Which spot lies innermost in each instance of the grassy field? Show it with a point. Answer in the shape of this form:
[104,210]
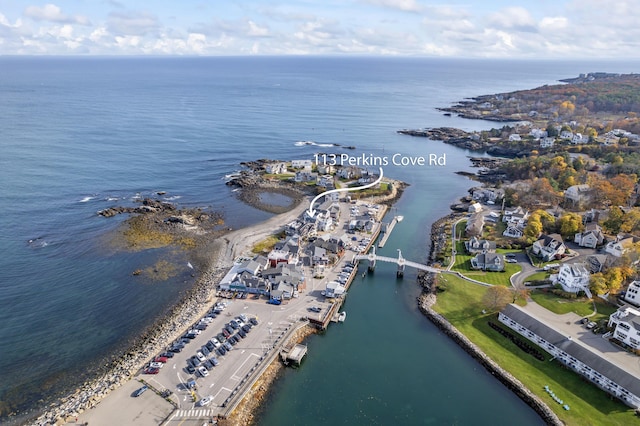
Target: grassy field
[582,306]
[460,304]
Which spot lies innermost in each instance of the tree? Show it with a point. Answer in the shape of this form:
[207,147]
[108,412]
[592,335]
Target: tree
[570,224]
[631,221]
[497,297]
[614,221]
[533,229]
[597,283]
[613,278]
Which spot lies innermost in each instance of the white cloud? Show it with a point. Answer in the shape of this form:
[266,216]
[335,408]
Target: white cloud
[132,23]
[404,5]
[52,13]
[551,23]
[257,31]
[513,17]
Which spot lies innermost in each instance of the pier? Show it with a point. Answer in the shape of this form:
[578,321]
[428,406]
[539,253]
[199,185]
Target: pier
[294,354]
[388,229]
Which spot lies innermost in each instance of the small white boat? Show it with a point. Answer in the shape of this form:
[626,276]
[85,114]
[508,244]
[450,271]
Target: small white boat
[342,316]
[399,218]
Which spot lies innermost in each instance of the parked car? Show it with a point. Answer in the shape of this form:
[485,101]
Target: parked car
[253,321]
[200,356]
[590,325]
[274,302]
[205,401]
[140,391]
[156,365]
[161,359]
[203,371]
[151,370]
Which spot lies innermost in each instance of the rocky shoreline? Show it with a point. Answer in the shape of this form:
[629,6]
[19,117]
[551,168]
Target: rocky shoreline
[428,298]
[426,301]
[193,305]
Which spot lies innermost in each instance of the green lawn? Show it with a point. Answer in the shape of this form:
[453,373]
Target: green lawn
[460,304]
[581,306]
[539,276]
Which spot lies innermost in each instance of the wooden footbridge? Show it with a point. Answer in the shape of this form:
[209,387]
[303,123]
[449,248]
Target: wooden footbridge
[400,261]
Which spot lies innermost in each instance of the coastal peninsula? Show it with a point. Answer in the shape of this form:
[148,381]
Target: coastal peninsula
[219,290]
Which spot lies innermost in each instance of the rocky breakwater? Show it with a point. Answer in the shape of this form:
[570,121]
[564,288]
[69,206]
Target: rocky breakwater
[470,141]
[254,187]
[122,367]
[425,302]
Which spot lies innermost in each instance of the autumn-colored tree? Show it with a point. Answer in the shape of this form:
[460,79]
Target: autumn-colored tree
[612,192]
[614,220]
[613,277]
[497,297]
[570,224]
[533,229]
[597,283]
[631,221]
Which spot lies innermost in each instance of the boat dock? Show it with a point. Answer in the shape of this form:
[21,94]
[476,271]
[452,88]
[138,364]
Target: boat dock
[388,228]
[294,354]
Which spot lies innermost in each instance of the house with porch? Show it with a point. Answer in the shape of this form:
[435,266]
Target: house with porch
[574,278]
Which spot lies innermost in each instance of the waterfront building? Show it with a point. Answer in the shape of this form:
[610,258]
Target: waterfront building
[618,376]
[488,262]
[626,324]
[476,245]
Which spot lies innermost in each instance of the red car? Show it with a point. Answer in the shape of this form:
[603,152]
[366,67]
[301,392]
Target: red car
[162,359]
[151,370]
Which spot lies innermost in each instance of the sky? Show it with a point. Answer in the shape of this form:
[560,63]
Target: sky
[535,29]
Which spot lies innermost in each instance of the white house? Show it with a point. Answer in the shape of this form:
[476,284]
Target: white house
[538,133]
[620,246]
[475,207]
[626,321]
[514,138]
[513,231]
[566,134]
[333,289]
[633,293]
[301,164]
[276,168]
[577,194]
[578,139]
[549,247]
[608,373]
[574,278]
[547,142]
[591,237]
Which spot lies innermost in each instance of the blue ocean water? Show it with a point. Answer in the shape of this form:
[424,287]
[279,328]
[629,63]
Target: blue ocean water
[82,134]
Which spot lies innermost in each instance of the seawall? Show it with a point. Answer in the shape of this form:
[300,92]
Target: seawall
[426,300]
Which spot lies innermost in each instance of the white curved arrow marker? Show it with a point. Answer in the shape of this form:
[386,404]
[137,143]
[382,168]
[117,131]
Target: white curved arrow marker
[312,211]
